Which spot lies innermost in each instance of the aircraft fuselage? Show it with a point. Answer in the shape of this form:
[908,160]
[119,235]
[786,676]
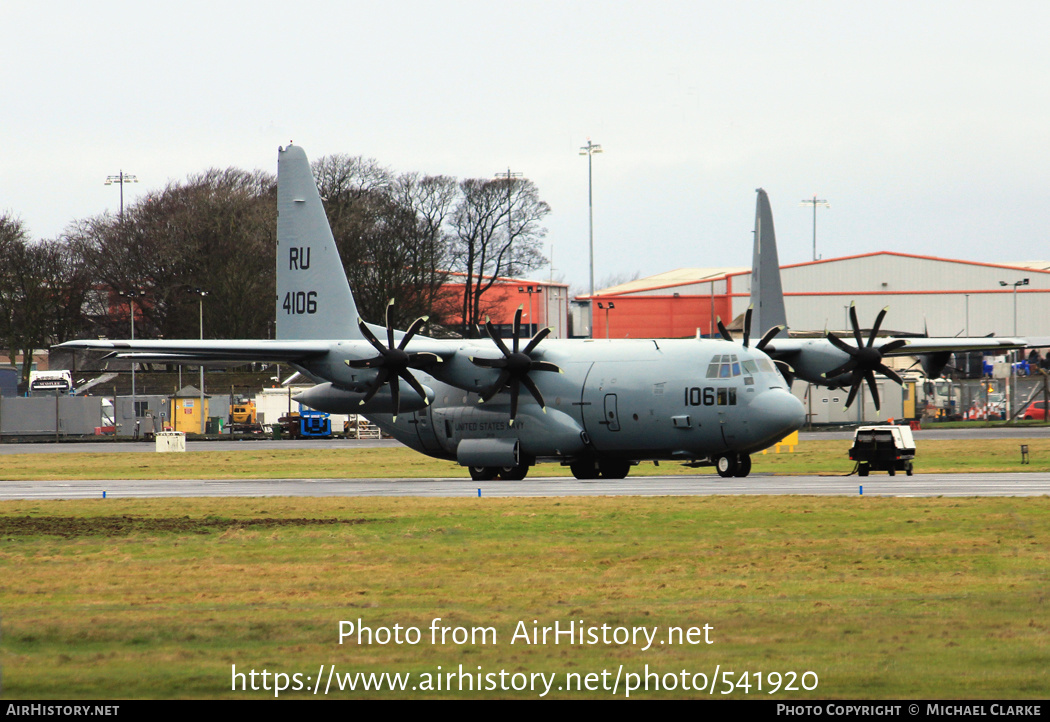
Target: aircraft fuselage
[674,399]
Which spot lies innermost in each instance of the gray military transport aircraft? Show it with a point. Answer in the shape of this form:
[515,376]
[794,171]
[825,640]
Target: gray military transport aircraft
[829,361]
[598,406]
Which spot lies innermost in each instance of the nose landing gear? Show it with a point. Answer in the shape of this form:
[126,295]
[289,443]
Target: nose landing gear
[729,465]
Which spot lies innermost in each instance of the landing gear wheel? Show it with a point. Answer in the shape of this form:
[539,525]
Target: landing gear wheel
[586,469]
[614,468]
[862,470]
[514,473]
[743,465]
[908,469]
[726,466]
[483,473]
[892,471]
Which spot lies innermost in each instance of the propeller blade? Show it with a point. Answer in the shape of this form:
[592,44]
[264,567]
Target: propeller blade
[747,324]
[515,386]
[544,366]
[892,346]
[489,363]
[878,323]
[848,366]
[517,331]
[852,393]
[416,386]
[542,334]
[412,331]
[869,376]
[840,344]
[501,381]
[530,385]
[395,394]
[369,335]
[374,387]
[389,327]
[769,336]
[890,373]
[722,330]
[786,371]
[856,324]
[495,337]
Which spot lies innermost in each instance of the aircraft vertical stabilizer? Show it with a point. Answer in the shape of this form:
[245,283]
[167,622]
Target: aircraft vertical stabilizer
[314,300]
[767,296]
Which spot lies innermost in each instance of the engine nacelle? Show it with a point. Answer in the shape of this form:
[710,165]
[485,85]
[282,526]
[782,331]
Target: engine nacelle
[335,400]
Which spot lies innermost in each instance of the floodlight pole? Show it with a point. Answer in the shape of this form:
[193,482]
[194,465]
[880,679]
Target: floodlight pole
[200,307]
[131,296]
[589,150]
[529,290]
[815,202]
[509,176]
[121,178]
[1012,383]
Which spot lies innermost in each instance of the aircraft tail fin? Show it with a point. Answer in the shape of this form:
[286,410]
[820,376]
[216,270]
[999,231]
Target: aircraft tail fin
[767,296]
[314,300]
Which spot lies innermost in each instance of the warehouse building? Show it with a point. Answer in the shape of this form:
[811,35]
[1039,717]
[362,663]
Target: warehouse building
[925,294]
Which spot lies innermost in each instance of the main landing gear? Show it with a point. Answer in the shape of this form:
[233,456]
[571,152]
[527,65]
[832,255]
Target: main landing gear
[729,465]
[600,468]
[507,473]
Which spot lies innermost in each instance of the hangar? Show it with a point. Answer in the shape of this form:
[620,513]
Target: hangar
[941,296]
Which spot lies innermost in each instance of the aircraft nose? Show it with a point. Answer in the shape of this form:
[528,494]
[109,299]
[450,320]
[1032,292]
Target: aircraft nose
[774,414]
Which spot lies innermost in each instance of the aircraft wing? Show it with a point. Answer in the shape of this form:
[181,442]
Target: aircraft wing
[233,351]
[913,346]
[839,363]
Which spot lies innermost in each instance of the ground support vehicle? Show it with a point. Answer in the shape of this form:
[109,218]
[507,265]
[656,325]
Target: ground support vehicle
[883,448]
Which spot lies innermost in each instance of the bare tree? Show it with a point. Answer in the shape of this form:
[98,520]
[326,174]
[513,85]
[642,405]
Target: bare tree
[43,285]
[432,199]
[389,232]
[498,231]
[215,232]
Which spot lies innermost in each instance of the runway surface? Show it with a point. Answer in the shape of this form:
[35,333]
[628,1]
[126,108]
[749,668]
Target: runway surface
[1034,484]
[109,446]
[1004,484]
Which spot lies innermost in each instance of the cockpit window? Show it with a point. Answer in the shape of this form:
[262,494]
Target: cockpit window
[724,366]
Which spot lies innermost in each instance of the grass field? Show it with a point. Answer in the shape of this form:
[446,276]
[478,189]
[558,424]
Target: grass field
[873,597]
[878,597]
[810,457]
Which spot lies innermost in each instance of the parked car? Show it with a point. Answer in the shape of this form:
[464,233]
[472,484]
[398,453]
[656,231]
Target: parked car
[1036,410]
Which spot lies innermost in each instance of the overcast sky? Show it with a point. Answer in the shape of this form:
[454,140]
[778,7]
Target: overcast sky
[926,125]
